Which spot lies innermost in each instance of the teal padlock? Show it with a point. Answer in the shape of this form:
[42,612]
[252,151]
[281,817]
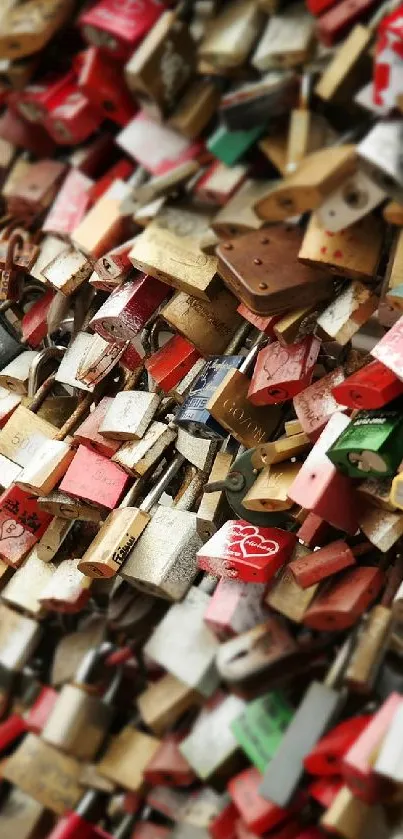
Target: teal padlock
[372,444]
[260,727]
[230,146]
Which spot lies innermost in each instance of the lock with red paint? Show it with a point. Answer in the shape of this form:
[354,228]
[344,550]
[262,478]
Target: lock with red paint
[118,26]
[245,551]
[22,523]
[282,372]
[102,82]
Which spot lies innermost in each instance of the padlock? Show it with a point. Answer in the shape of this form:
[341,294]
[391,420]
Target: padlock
[247,552]
[231,146]
[260,727]
[297,324]
[126,757]
[278,451]
[92,477]
[379,156]
[320,704]
[168,766]
[15,375]
[159,70]
[218,184]
[305,189]
[19,638]
[335,23]
[230,407]
[357,763]
[62,505]
[315,405]
[34,190]
[113,268]
[342,601]
[258,814]
[105,225]
[382,528]
[234,608]
[22,523]
[125,313]
[211,507]
[210,748]
[195,108]
[156,146]
[51,460]
[116,29]
[26,585]
[67,591]
[54,784]
[355,198]
[313,531]
[262,270]
[232,35]
[347,816]
[163,560]
[177,261]
[323,563]
[264,657]
[137,457]
[367,656]
[352,308]
[280,373]
[28,30]
[191,657]
[34,324]
[129,415]
[370,444]
[325,758]
[69,206]
[248,104]
[286,41]
[100,357]
[163,703]
[103,84]
[81,717]
[238,216]
[377,492]
[122,529]
[387,349]
[209,326]
[87,433]
[73,118]
[373,386]
[68,271]
[286,596]
[171,362]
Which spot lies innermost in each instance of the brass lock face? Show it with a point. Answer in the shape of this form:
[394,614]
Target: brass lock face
[126,757]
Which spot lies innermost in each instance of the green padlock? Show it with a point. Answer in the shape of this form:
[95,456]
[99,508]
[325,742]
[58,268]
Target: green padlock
[371,444]
[260,727]
[229,146]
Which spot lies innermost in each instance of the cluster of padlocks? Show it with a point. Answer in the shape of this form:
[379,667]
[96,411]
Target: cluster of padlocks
[201,419]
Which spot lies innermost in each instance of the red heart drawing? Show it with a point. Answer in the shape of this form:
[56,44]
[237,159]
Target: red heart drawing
[10,529]
[258,546]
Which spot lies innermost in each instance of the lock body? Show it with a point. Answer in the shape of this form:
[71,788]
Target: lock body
[245,551]
[127,310]
[138,456]
[129,415]
[209,326]
[92,477]
[235,607]
[193,415]
[172,362]
[78,723]
[260,728]
[114,542]
[369,444]
[316,404]
[229,405]
[373,386]
[340,604]
[323,563]
[282,372]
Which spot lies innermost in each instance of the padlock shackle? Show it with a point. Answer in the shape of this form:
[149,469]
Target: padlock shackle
[156,492]
[340,663]
[82,408]
[238,339]
[260,341]
[42,356]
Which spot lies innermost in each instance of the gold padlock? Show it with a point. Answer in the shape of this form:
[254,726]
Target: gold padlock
[126,757]
[231,35]
[354,252]
[209,326]
[164,702]
[269,492]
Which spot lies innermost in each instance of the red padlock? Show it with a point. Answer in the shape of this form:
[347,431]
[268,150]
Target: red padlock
[282,372]
[244,551]
[324,790]
[70,205]
[357,763]
[121,170]
[316,404]
[257,813]
[81,824]
[339,605]
[22,523]
[223,825]
[34,324]
[171,362]
[168,766]
[320,487]
[313,531]
[335,23]
[119,27]
[36,716]
[25,135]
[103,83]
[325,759]
[156,146]
[87,434]
[371,387]
[72,119]
[94,158]
[127,310]
[36,100]
[94,478]
[10,729]
[235,607]
[389,350]
[316,7]
[264,323]
[311,569]
[114,267]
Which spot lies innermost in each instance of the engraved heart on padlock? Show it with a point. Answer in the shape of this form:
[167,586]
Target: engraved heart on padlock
[10,529]
[253,544]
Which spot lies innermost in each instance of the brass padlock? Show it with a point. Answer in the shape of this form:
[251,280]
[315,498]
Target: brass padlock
[286,41]
[354,252]
[126,757]
[80,719]
[26,30]
[164,701]
[231,36]
[229,405]
[208,325]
